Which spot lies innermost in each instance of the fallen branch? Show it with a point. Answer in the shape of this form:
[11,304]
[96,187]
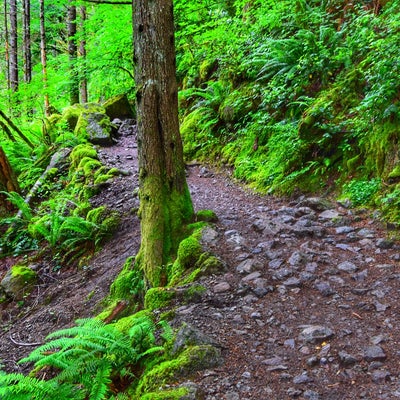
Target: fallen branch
[23,343]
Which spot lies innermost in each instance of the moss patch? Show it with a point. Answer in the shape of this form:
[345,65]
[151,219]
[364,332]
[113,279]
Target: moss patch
[192,359]
[158,297]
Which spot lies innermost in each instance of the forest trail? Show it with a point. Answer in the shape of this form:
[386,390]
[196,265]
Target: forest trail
[306,308]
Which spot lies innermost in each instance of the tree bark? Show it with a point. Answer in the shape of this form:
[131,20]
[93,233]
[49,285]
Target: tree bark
[8,183]
[82,54]
[73,54]
[27,40]
[7,48]
[165,203]
[13,74]
[43,58]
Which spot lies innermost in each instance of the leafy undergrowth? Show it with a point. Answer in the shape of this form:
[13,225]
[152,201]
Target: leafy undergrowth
[297,98]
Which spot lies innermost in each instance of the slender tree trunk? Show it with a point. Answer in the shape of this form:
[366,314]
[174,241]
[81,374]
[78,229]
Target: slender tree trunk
[72,53]
[82,54]
[27,40]
[7,49]
[13,46]
[43,58]
[8,183]
[165,203]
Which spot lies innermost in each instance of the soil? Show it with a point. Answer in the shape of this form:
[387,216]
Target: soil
[306,307]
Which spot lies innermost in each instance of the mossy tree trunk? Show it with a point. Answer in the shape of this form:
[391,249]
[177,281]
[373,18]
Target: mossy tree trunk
[8,183]
[165,203]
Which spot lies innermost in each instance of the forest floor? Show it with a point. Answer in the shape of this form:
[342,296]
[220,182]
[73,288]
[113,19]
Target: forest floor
[306,308]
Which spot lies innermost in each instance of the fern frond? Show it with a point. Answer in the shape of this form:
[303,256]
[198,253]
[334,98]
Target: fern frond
[101,382]
[17,200]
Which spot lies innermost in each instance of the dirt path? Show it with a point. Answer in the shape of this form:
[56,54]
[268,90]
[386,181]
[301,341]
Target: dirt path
[307,307]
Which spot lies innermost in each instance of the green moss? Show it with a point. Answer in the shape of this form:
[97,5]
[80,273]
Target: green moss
[25,273]
[129,284]
[206,216]
[189,251]
[82,151]
[192,359]
[126,323]
[171,394]
[96,215]
[395,173]
[158,297]
[89,165]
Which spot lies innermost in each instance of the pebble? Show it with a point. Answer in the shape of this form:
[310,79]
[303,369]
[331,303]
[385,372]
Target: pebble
[374,353]
[221,287]
[315,334]
[347,266]
[301,379]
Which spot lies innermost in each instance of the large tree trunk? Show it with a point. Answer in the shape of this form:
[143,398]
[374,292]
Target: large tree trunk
[43,58]
[165,203]
[73,54]
[13,74]
[27,41]
[7,48]
[8,183]
[82,54]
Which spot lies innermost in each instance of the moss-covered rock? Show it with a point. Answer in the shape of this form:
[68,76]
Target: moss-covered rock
[206,216]
[18,281]
[191,360]
[158,297]
[81,151]
[119,107]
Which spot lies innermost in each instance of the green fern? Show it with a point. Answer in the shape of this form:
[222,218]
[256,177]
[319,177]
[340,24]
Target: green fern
[21,387]
[84,360]
[17,200]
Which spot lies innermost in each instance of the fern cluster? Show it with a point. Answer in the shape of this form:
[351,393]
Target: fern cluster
[91,361]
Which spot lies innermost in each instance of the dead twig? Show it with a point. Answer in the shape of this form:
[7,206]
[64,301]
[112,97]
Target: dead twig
[22,343]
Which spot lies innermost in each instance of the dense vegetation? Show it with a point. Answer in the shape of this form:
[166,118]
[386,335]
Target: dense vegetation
[294,96]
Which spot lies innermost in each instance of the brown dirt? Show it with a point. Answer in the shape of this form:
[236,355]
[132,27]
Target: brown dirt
[252,329]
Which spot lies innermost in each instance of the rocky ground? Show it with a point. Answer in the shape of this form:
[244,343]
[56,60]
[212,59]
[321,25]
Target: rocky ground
[306,308]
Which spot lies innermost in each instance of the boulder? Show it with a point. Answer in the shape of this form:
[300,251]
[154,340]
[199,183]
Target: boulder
[118,107]
[18,282]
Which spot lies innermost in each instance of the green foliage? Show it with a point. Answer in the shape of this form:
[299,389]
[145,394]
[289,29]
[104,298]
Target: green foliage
[361,192]
[87,361]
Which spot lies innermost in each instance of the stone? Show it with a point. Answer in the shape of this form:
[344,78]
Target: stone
[329,215]
[95,126]
[384,243]
[347,266]
[311,395]
[209,235]
[344,229]
[275,263]
[366,233]
[222,287]
[292,282]
[324,288]
[118,107]
[380,376]
[374,353]
[346,359]
[194,391]
[315,334]
[301,379]
[246,266]
[188,335]
[18,281]
[316,203]
[251,277]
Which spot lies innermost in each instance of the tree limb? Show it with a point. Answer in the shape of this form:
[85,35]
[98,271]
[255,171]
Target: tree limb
[17,130]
